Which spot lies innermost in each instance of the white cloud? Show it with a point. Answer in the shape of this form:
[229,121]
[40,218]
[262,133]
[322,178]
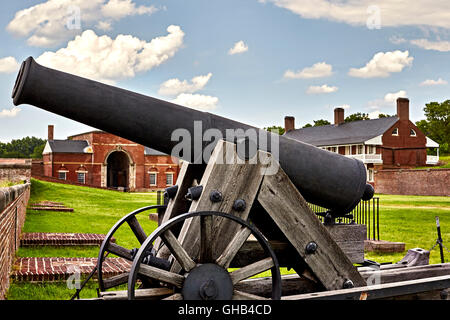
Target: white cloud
[10,113]
[104,25]
[239,47]
[431,13]
[117,9]
[321,89]
[344,106]
[443,46]
[318,70]
[374,114]
[50,23]
[392,97]
[9,65]
[383,64]
[197,101]
[173,87]
[431,82]
[105,59]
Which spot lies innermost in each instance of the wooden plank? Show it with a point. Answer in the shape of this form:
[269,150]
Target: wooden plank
[239,180]
[299,224]
[186,178]
[148,294]
[350,238]
[240,295]
[382,291]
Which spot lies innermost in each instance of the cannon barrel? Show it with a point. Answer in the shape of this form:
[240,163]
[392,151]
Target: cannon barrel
[326,179]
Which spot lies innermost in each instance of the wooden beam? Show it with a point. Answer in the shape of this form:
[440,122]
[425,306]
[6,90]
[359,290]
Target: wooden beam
[291,213]
[383,291]
[235,180]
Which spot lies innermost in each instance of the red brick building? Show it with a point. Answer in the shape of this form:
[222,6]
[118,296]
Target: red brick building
[101,159]
[384,143]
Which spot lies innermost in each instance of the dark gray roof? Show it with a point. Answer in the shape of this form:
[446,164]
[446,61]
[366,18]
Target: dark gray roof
[68,146]
[152,152]
[346,133]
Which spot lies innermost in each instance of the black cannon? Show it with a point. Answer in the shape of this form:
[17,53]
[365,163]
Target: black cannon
[326,179]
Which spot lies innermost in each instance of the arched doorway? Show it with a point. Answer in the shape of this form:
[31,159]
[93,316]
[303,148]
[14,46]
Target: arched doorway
[118,165]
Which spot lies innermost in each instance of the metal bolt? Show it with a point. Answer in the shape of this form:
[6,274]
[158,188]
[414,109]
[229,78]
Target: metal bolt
[348,284]
[311,247]
[239,205]
[215,196]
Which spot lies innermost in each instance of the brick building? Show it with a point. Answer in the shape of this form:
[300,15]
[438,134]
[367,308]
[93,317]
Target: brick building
[384,143]
[101,159]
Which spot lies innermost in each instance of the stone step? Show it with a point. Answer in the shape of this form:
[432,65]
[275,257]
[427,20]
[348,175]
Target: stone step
[50,206]
[36,269]
[61,239]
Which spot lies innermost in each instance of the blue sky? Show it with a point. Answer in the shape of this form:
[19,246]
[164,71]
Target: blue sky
[297,57]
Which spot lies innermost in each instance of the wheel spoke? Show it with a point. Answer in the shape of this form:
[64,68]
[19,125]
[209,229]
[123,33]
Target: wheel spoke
[251,270]
[178,251]
[119,251]
[161,275]
[239,295]
[205,239]
[115,280]
[233,247]
[137,229]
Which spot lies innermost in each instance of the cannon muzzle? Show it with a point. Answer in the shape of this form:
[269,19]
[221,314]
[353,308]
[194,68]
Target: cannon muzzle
[326,179]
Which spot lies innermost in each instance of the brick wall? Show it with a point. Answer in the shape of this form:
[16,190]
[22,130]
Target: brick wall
[426,182]
[13,204]
[15,169]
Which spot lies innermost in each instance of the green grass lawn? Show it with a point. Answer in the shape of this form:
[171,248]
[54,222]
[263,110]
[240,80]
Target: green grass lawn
[409,219]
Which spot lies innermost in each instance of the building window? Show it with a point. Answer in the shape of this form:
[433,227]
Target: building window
[153,179]
[360,149]
[81,177]
[371,149]
[412,133]
[370,175]
[169,179]
[348,150]
[395,132]
[62,175]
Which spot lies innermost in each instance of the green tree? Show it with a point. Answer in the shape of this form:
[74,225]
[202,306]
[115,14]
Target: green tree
[307,125]
[275,129]
[436,126]
[22,148]
[382,115]
[321,122]
[357,117]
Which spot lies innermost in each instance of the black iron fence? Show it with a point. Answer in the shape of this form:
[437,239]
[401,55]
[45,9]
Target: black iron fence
[366,212]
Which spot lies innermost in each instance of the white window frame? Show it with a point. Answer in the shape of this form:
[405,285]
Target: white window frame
[167,176]
[370,175]
[84,177]
[150,178]
[412,132]
[371,149]
[395,132]
[360,149]
[62,172]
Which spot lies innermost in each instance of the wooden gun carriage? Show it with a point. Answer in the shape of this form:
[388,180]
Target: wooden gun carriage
[231,217]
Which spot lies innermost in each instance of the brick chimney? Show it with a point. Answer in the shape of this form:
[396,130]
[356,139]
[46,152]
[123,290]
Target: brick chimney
[289,123]
[403,108]
[50,132]
[338,116]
